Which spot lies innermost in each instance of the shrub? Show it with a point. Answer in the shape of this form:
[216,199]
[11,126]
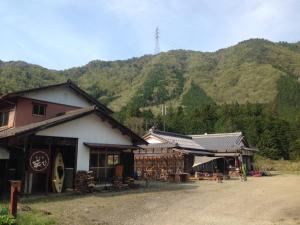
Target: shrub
[6,219]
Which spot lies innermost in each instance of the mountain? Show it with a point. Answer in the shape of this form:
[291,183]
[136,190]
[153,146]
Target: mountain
[255,71]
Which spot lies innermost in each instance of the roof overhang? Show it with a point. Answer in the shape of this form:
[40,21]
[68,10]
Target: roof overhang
[228,154]
[110,146]
[196,152]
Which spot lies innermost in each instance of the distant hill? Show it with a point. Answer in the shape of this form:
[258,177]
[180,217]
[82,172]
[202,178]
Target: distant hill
[255,71]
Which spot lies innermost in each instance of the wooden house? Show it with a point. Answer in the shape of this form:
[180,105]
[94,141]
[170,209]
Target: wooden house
[167,153]
[233,147]
[38,124]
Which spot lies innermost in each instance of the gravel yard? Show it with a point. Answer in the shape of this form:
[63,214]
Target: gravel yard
[261,201]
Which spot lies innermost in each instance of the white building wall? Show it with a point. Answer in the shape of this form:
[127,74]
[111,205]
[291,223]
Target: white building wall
[87,129]
[61,95]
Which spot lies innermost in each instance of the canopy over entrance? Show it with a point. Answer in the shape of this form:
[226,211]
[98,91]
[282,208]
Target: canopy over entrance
[199,160]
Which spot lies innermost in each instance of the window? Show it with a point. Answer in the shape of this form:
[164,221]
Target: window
[112,160]
[97,159]
[103,165]
[39,110]
[3,119]
[93,160]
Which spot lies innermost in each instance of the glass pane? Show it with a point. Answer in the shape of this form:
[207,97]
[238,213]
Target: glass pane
[93,160]
[110,160]
[3,118]
[101,160]
[42,110]
[35,110]
[116,159]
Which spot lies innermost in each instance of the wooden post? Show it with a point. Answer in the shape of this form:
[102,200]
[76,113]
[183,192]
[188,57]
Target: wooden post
[26,165]
[15,188]
[48,171]
[105,169]
[224,166]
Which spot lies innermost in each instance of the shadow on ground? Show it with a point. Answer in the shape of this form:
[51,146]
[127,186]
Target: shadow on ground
[150,188]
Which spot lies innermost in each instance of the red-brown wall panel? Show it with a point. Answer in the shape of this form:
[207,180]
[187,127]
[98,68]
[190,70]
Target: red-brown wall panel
[24,115]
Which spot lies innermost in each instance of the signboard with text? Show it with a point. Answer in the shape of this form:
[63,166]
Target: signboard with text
[39,160]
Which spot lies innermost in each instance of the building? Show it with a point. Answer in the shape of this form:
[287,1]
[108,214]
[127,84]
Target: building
[38,124]
[167,153]
[233,147]
[176,153]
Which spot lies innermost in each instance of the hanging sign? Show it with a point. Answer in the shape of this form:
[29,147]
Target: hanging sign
[39,161]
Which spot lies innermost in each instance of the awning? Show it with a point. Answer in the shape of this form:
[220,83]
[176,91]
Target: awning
[203,159]
[4,153]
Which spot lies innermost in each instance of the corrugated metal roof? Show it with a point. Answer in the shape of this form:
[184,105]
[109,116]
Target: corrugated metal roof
[221,142]
[182,141]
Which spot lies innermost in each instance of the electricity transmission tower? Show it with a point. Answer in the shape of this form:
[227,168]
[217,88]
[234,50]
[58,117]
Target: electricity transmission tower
[157,33]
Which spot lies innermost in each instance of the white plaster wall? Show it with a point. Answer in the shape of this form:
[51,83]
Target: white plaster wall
[87,129]
[62,95]
[152,140]
[4,153]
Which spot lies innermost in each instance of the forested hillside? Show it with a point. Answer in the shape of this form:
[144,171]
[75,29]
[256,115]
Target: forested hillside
[253,86]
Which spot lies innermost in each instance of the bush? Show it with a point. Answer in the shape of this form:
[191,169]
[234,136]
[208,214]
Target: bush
[262,163]
[6,219]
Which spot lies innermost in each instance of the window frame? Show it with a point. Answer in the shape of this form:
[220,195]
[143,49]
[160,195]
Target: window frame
[4,121]
[106,164]
[114,156]
[40,106]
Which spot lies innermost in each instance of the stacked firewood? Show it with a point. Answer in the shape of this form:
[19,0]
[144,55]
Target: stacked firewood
[130,182]
[84,182]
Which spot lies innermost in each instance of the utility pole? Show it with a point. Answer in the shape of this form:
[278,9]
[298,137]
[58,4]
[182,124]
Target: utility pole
[156,36]
[164,113]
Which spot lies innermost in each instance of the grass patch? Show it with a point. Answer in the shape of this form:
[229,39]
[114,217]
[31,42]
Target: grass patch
[288,166]
[34,218]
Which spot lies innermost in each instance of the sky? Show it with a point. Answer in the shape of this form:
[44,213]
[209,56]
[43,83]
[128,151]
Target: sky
[59,34]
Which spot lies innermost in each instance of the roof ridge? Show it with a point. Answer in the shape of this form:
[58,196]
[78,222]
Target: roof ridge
[166,133]
[216,135]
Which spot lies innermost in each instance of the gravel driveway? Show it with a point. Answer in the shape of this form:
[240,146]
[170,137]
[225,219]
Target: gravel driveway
[261,201]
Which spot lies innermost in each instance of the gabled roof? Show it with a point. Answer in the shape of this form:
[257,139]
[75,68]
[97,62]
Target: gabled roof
[221,141]
[68,116]
[179,140]
[70,84]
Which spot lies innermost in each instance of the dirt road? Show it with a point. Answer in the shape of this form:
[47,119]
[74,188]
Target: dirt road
[261,201]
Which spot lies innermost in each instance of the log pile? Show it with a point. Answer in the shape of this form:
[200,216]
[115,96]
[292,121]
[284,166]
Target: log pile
[130,182]
[84,182]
